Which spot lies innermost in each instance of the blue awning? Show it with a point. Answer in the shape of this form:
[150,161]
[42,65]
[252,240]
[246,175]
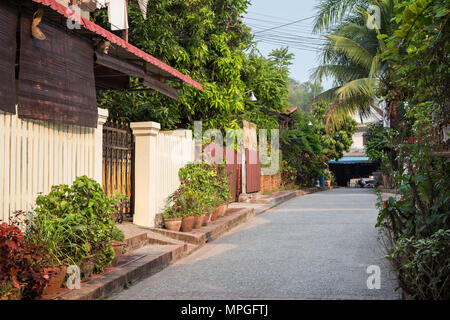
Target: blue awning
[351,160]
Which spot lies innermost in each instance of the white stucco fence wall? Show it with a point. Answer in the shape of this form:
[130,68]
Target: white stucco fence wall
[159,156]
[35,155]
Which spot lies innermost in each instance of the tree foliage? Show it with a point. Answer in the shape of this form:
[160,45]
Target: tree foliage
[302,94]
[337,140]
[415,83]
[301,148]
[205,40]
[350,55]
[376,141]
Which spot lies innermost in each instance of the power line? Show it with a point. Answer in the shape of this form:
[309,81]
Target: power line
[292,30]
[273,22]
[286,24]
[284,29]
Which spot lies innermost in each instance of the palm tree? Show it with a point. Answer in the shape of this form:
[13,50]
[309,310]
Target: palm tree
[350,55]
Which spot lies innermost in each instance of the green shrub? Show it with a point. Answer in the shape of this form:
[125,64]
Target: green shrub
[423,265]
[418,220]
[208,181]
[183,203]
[75,221]
[302,149]
[203,187]
[328,175]
[376,141]
[288,174]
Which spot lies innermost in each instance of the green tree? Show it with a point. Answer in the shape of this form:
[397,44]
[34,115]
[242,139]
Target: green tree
[301,148]
[416,89]
[336,140]
[376,136]
[302,94]
[351,55]
[268,78]
[205,39]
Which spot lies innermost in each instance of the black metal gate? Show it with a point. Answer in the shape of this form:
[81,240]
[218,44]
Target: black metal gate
[118,164]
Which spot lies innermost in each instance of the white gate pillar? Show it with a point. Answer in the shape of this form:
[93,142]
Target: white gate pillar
[145,135]
[98,150]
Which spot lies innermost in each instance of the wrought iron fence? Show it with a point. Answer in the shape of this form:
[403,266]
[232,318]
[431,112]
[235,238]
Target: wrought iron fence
[118,165]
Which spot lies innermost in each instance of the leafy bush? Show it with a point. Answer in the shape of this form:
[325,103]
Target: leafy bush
[288,174]
[184,203]
[203,187]
[335,140]
[376,141]
[328,175]
[208,181]
[21,263]
[301,148]
[423,265]
[418,222]
[74,222]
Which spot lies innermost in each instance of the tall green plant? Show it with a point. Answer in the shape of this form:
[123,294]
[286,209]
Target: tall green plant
[75,221]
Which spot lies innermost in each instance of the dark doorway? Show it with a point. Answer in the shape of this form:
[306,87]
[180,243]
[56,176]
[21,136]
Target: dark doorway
[345,172]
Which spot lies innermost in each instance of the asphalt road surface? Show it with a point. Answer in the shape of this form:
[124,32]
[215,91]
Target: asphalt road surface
[317,246]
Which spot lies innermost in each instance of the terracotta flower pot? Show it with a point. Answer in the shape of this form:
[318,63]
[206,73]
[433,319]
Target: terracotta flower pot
[215,215]
[206,218]
[198,221]
[118,249]
[224,208]
[173,224]
[56,276]
[187,223]
[328,183]
[221,209]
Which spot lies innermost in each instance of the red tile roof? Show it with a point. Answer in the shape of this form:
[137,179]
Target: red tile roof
[91,26]
[292,109]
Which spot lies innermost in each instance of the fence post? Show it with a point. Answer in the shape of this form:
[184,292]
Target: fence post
[98,149]
[145,134]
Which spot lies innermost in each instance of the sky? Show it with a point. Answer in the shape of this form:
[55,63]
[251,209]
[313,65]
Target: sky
[271,14]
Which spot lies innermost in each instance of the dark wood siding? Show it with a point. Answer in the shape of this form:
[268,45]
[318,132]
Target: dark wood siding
[8,26]
[56,78]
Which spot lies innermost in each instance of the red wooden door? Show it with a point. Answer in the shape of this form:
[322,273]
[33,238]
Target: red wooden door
[253,171]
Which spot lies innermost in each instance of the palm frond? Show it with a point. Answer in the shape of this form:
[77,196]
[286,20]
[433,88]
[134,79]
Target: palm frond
[341,73]
[331,12]
[360,87]
[342,109]
[357,53]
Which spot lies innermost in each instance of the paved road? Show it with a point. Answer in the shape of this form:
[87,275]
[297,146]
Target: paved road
[312,247]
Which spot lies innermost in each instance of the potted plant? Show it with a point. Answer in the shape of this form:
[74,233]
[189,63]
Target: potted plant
[117,244]
[328,176]
[75,225]
[56,275]
[184,203]
[172,219]
[187,224]
[222,189]
[191,208]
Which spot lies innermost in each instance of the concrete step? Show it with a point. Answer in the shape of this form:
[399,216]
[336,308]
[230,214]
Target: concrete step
[274,198]
[198,237]
[132,267]
[135,237]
